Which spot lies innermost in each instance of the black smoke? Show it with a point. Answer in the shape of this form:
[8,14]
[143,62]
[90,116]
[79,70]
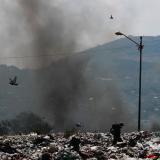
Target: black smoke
[63,82]
[71,94]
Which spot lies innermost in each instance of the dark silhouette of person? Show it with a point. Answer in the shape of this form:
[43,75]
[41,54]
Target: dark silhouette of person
[75,142]
[46,156]
[116,132]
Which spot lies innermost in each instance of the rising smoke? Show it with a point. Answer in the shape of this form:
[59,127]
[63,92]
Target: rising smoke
[59,26]
[64,27]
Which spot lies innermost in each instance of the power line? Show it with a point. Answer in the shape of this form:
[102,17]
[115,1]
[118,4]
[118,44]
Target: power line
[40,56]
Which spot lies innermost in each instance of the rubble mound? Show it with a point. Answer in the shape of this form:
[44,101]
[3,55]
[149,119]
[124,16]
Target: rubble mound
[80,146]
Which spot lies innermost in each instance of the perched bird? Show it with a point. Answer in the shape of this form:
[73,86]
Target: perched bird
[13,81]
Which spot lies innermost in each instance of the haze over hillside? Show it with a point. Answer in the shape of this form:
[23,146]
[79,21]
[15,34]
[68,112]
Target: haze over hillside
[92,87]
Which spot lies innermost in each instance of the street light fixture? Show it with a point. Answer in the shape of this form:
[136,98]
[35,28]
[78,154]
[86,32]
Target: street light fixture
[140,48]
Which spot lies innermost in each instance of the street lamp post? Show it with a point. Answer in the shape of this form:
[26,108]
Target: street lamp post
[140,48]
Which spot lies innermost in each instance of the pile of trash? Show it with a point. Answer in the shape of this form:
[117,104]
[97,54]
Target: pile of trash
[80,146]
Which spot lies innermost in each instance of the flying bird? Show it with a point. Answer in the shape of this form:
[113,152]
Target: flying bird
[111,17]
[13,81]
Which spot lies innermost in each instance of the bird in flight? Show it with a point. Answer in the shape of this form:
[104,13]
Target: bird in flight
[13,81]
[111,17]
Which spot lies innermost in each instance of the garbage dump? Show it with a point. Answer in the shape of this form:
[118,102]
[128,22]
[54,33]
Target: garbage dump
[80,146]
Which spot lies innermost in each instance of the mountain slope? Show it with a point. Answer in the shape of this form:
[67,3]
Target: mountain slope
[96,86]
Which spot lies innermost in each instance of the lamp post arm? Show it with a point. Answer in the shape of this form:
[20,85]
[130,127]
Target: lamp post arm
[132,40]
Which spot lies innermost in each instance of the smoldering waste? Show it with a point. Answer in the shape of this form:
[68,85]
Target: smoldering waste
[142,145]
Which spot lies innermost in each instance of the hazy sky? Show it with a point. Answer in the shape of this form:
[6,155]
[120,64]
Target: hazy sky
[83,23]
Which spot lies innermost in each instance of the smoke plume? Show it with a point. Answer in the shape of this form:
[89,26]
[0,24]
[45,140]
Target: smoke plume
[31,28]
[52,29]
[63,28]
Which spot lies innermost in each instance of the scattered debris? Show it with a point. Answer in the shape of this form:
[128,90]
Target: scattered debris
[88,146]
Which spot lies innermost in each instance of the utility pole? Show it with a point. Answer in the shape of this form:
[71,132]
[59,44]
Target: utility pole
[140,83]
[140,48]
